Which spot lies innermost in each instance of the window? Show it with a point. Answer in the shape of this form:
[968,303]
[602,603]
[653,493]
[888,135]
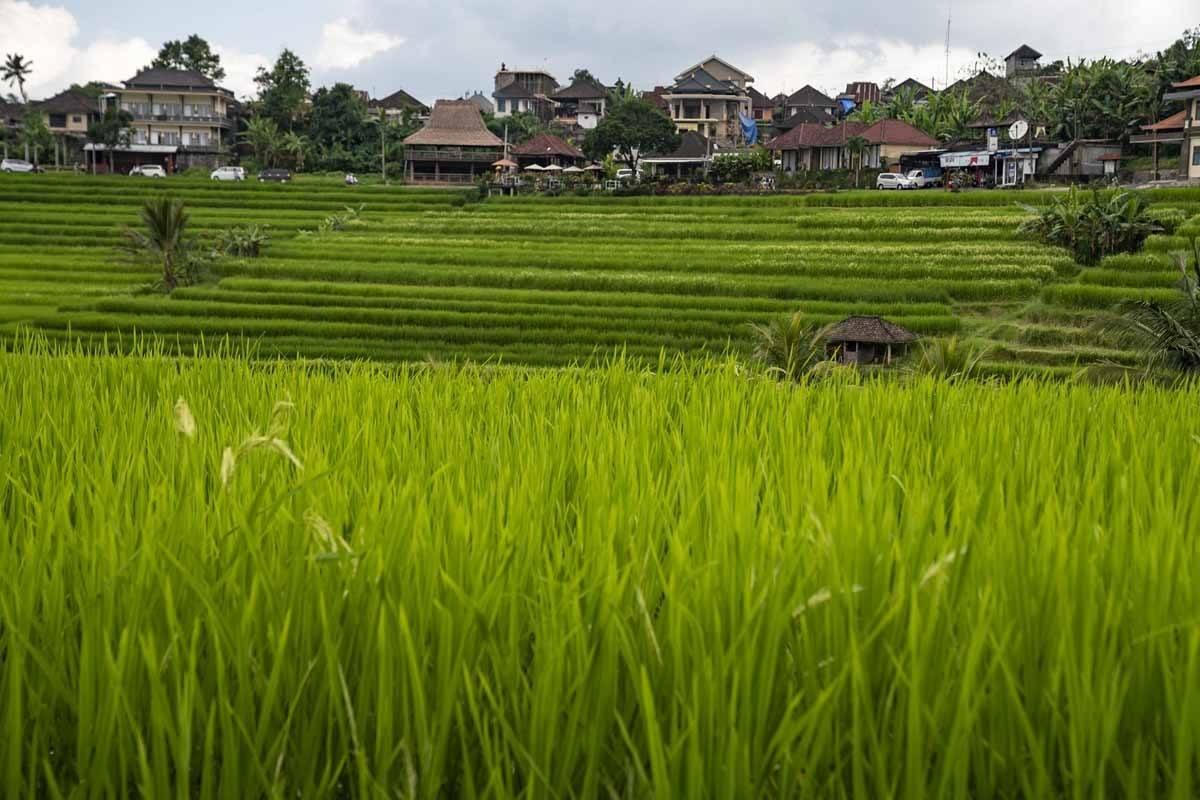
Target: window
[76,120]
[500,104]
[58,120]
[1196,156]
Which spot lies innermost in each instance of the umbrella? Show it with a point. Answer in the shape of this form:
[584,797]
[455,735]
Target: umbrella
[534,168]
[572,170]
[552,168]
[593,168]
[505,163]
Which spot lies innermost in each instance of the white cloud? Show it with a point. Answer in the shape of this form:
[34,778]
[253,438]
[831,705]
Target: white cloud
[343,47]
[46,35]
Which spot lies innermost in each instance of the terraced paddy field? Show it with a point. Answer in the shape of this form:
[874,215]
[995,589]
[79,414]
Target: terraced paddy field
[551,281]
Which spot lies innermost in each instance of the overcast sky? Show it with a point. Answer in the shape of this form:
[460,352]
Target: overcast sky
[443,48]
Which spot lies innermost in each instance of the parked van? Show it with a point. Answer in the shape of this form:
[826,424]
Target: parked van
[925,177]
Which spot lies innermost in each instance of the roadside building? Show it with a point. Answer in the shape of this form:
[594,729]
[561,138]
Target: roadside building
[181,119]
[889,139]
[708,98]
[583,103]
[813,146]
[867,340]
[455,145]
[546,150]
[397,106]
[1181,128]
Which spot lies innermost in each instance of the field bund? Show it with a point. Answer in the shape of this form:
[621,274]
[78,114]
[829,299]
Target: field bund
[493,583]
[562,280]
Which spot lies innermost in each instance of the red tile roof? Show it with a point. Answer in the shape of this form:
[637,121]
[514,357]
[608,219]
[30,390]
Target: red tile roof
[546,144]
[1188,84]
[1171,123]
[894,131]
[808,134]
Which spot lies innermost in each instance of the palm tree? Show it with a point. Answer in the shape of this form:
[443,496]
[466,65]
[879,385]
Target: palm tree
[296,146]
[1166,332]
[164,239]
[856,146]
[869,113]
[788,347]
[263,136]
[16,70]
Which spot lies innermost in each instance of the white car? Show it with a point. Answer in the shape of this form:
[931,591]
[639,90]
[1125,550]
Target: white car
[15,165]
[922,181]
[148,171]
[626,174]
[228,174]
[893,180]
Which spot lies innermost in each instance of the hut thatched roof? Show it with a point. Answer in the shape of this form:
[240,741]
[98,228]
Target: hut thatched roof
[455,123]
[876,330]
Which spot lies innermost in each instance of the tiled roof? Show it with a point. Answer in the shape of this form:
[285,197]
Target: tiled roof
[1024,51]
[514,90]
[582,90]
[700,82]
[399,99]
[808,96]
[806,135]
[894,131]
[69,102]
[876,330]
[455,123]
[546,144]
[1171,123]
[1190,83]
[178,78]
[691,145]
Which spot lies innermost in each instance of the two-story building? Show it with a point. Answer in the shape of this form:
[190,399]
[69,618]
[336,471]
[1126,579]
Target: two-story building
[181,119]
[1181,128]
[708,97]
[1021,61]
[397,106]
[583,103]
[67,115]
[525,91]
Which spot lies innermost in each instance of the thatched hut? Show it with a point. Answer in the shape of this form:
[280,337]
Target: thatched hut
[867,340]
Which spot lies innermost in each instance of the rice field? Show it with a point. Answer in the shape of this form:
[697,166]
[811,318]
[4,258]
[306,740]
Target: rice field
[230,578]
[549,282]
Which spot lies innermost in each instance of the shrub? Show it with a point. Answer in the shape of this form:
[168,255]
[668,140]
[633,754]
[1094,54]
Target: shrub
[244,241]
[1093,226]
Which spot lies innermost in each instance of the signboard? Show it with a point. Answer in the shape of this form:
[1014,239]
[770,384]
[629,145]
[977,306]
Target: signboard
[952,160]
[993,140]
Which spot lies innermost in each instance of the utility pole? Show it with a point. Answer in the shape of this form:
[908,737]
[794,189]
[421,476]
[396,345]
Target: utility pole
[946,77]
[382,144]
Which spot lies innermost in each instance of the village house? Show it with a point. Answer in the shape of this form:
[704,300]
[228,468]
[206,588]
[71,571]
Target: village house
[860,92]
[810,100]
[814,146]
[181,119]
[708,97]
[867,340]
[398,105]
[67,115]
[919,91]
[583,103]
[524,91]
[1022,61]
[455,145]
[1181,128]
[889,139]
[762,106]
[486,106]
[546,150]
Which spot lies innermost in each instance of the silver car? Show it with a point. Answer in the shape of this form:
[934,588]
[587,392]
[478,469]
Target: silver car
[15,165]
[228,174]
[148,171]
[893,180]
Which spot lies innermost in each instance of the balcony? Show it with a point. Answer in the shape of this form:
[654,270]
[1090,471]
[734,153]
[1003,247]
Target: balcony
[212,119]
[413,154]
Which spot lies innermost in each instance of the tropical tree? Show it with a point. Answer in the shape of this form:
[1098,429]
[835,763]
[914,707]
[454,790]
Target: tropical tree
[788,347]
[264,139]
[869,112]
[282,90]
[631,129]
[1168,333]
[856,146]
[520,127]
[16,70]
[193,53]
[163,239]
[295,145]
[35,135]
[1092,226]
[903,104]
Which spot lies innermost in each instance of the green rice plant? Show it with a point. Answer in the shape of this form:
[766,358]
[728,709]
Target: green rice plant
[582,582]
